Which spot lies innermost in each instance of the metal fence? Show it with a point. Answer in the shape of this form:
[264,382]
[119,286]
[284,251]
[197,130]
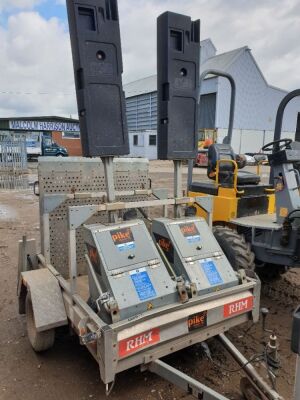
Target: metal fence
[251,141]
[13,162]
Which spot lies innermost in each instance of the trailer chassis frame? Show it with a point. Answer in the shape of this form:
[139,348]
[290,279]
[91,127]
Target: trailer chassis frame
[104,338]
[105,350]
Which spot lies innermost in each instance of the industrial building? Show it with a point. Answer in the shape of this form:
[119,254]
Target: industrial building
[255,110]
[63,131]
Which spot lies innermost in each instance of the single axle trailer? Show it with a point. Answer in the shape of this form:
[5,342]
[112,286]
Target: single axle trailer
[55,284]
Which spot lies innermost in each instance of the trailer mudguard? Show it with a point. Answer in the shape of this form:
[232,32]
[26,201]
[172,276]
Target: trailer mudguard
[47,301]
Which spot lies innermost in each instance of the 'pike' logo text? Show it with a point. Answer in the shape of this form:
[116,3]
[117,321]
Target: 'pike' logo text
[120,236]
[197,321]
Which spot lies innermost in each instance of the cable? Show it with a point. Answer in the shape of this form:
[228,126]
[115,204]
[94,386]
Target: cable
[271,361]
[254,358]
[271,364]
[265,356]
[246,331]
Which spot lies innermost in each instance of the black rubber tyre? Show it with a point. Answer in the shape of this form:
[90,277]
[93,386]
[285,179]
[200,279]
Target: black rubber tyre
[270,272]
[40,341]
[235,247]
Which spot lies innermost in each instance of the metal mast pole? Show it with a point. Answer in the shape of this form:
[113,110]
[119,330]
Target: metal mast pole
[177,186]
[108,163]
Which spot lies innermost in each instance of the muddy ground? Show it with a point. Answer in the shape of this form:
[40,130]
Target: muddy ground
[69,372]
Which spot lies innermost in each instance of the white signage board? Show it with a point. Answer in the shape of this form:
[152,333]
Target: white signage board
[44,126]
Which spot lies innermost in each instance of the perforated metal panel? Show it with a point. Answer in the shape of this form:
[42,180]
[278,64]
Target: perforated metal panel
[82,175]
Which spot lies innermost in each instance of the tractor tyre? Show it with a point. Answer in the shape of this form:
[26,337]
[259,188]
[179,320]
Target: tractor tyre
[40,341]
[268,272]
[235,247]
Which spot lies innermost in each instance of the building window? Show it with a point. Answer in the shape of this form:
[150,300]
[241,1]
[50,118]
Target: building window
[135,140]
[152,140]
[71,135]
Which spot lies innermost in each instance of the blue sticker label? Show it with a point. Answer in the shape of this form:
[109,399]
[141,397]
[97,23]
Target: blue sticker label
[211,272]
[142,284]
[126,246]
[193,239]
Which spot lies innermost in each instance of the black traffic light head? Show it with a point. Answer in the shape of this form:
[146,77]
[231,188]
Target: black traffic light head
[97,60]
[178,70]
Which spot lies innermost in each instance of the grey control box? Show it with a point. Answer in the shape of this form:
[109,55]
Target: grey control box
[129,267]
[194,253]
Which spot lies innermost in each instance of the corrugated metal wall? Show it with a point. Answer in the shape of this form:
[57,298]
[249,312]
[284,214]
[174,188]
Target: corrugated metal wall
[142,112]
[207,114]
[256,102]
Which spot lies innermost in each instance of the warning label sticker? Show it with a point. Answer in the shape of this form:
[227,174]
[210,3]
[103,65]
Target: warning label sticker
[211,272]
[166,246]
[142,284]
[123,239]
[94,257]
[190,232]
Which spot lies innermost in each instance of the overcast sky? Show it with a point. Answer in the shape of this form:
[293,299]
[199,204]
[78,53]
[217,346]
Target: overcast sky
[36,75]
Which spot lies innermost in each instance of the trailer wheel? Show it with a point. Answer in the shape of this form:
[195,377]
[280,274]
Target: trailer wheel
[248,390]
[235,247]
[40,341]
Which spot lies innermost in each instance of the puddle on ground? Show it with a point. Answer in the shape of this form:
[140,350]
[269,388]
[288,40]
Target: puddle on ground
[25,196]
[6,212]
